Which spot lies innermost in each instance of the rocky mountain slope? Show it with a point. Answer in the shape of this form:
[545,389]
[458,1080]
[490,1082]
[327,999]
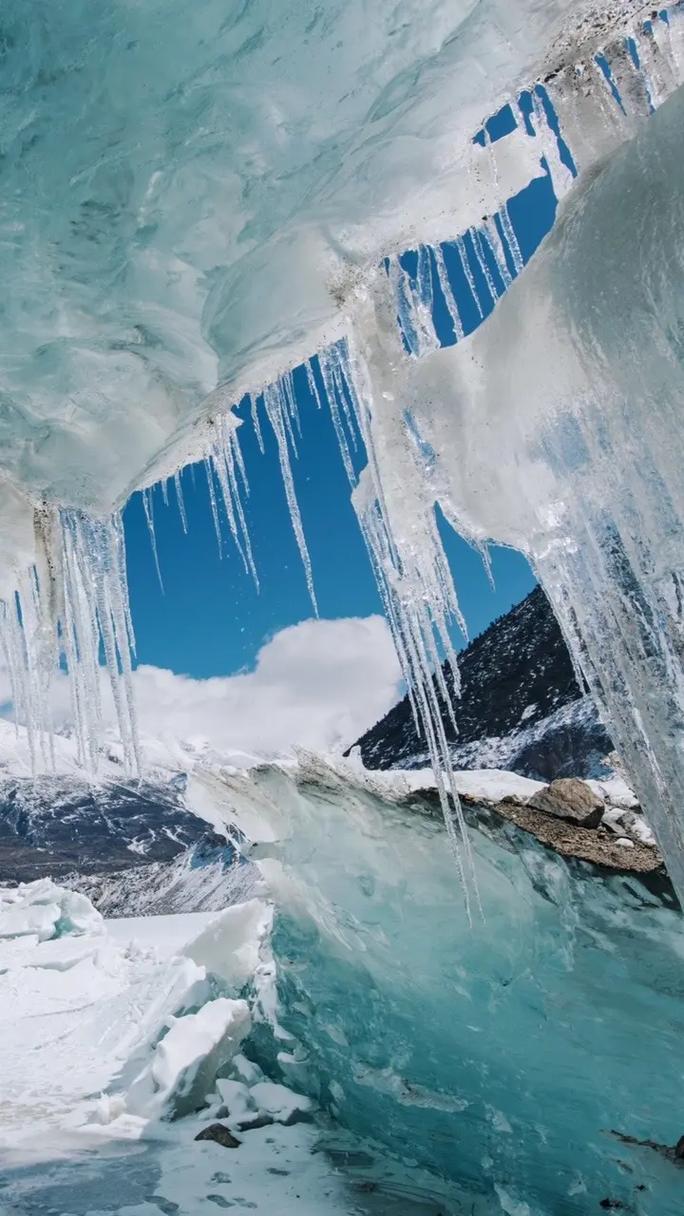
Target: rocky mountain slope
[520,708]
[134,847]
[61,823]
[206,877]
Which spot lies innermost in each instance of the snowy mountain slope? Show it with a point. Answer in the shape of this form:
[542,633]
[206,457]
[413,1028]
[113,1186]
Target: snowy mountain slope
[55,825]
[520,706]
[204,878]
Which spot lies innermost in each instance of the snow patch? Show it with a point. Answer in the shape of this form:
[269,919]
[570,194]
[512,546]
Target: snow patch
[184,1064]
[46,910]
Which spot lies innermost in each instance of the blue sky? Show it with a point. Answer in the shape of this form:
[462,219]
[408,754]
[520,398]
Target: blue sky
[210,620]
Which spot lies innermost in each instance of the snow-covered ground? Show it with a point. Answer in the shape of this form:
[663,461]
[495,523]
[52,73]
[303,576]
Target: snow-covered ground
[108,1027]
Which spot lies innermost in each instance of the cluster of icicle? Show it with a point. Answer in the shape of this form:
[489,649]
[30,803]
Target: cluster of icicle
[73,611]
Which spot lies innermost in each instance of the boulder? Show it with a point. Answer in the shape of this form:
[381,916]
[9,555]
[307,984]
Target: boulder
[220,1134]
[570,799]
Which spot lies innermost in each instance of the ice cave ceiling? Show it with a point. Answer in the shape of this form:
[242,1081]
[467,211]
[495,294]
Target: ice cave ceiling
[190,191]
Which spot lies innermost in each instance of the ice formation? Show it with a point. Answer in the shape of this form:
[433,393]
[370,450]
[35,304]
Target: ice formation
[500,1057]
[182,251]
[320,1031]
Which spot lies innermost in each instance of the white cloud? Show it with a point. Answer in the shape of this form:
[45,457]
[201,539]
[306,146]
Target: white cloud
[316,685]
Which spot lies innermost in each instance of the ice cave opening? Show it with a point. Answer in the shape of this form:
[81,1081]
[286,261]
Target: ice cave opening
[455,228]
[567,447]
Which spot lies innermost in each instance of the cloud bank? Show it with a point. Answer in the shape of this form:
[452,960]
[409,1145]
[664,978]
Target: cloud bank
[317,685]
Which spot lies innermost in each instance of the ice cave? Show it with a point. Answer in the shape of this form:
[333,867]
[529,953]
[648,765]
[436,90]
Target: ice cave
[205,206]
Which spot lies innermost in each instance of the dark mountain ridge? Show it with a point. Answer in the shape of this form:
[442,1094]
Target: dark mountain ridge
[520,705]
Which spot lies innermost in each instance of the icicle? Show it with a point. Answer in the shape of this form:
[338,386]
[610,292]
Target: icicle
[482,263]
[70,604]
[607,79]
[326,363]
[415,304]
[419,599]
[497,250]
[94,584]
[278,413]
[511,238]
[447,292]
[238,458]
[654,51]
[208,468]
[254,411]
[180,500]
[343,394]
[629,80]
[311,381]
[148,508]
[292,408]
[483,550]
[561,176]
[465,262]
[225,457]
[674,25]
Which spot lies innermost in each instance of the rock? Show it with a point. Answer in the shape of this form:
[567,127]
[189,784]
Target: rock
[568,798]
[220,1134]
[673,1153]
[251,1125]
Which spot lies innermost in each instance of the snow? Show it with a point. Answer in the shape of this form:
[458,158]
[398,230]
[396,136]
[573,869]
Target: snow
[77,1011]
[238,1100]
[44,910]
[489,784]
[616,792]
[232,943]
[281,1103]
[103,1036]
[184,1064]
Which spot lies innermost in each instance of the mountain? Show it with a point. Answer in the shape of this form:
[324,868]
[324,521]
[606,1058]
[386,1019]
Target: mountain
[520,708]
[61,823]
[206,877]
[134,847]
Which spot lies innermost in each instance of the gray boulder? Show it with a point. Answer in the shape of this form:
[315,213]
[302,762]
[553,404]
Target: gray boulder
[570,799]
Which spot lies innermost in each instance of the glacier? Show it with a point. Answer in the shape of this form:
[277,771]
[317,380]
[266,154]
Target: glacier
[492,1074]
[194,206]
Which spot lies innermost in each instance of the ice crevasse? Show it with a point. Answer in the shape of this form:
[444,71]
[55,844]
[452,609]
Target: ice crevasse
[198,199]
